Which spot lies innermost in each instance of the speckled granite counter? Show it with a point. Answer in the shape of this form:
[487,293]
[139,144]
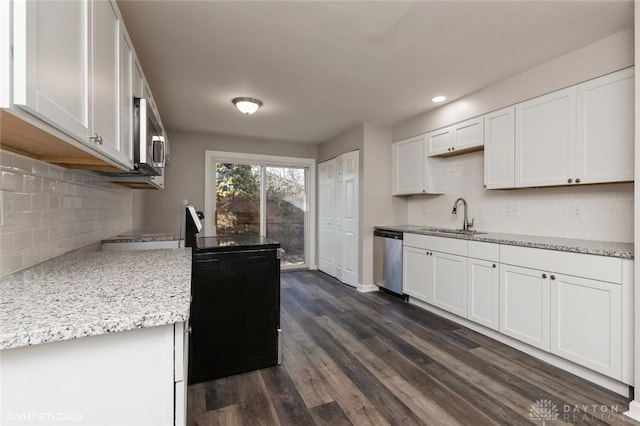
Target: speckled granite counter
[141,236]
[601,248]
[91,293]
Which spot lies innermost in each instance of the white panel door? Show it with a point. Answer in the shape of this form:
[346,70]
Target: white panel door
[586,323]
[51,76]
[105,78]
[449,276]
[126,73]
[468,134]
[524,305]
[415,274]
[499,147]
[546,139]
[409,163]
[440,141]
[483,293]
[350,217]
[326,209]
[606,128]
[338,214]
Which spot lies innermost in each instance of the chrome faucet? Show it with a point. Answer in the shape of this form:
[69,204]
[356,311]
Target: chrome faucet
[465,223]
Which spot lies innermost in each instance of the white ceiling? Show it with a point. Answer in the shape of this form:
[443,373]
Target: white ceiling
[321,67]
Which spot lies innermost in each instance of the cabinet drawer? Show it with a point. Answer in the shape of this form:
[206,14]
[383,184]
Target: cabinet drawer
[582,265]
[487,251]
[443,245]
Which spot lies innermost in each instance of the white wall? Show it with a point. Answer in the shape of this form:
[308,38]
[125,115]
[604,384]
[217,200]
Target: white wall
[160,211]
[52,210]
[606,210]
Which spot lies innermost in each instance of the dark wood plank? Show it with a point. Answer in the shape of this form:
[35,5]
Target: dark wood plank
[285,398]
[330,414]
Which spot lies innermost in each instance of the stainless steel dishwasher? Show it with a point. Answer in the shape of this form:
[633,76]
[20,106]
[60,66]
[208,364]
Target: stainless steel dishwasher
[387,260]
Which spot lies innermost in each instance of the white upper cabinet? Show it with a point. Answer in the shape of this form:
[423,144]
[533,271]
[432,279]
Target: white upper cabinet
[499,159]
[74,70]
[105,111]
[51,78]
[545,140]
[578,135]
[457,139]
[605,138]
[5,54]
[412,171]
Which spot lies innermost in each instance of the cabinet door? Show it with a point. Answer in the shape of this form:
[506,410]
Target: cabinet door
[440,141]
[449,276]
[546,139]
[468,135]
[524,305]
[126,98]
[415,273]
[483,294]
[53,35]
[105,78]
[499,147]
[5,54]
[606,128]
[409,162]
[586,323]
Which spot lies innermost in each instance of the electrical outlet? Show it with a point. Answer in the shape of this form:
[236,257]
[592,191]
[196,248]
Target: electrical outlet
[511,211]
[576,212]
[7,208]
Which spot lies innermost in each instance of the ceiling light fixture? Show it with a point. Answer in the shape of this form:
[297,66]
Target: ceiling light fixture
[247,105]
[438,99]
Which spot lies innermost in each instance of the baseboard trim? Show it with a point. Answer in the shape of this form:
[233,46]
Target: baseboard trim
[367,288]
[634,410]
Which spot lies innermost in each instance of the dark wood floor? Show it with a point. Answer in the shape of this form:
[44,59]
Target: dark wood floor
[372,359]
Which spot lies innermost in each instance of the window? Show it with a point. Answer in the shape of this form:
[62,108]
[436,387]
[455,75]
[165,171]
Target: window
[262,195]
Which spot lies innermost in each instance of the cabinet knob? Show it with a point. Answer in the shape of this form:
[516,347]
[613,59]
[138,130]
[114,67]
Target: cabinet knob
[494,265]
[453,148]
[448,149]
[485,186]
[570,180]
[578,180]
[553,277]
[96,138]
[544,275]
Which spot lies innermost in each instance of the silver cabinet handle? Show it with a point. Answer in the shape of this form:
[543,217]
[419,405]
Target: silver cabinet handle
[96,138]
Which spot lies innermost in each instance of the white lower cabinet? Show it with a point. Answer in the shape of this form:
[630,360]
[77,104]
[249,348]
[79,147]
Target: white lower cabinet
[586,323]
[575,306]
[483,292]
[127,377]
[415,273]
[449,277]
[524,305]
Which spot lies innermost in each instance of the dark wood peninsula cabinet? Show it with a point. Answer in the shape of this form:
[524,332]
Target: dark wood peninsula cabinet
[235,311]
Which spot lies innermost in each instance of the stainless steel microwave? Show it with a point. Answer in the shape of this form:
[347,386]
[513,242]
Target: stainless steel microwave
[149,143]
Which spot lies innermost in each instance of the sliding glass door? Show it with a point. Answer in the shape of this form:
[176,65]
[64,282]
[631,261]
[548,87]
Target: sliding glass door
[253,197]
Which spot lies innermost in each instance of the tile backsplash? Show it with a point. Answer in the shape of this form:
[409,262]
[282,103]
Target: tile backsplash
[47,210]
[591,212]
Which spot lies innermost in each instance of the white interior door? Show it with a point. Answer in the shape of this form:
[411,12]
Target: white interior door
[350,214]
[326,227]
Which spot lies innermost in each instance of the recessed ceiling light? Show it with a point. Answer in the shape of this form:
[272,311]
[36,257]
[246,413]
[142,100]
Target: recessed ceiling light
[247,105]
[438,99]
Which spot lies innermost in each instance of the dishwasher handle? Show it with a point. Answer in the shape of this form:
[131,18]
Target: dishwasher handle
[396,235]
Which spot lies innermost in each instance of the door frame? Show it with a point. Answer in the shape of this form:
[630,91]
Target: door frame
[211,157]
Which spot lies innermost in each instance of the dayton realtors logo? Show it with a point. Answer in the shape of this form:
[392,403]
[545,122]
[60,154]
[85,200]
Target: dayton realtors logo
[545,410]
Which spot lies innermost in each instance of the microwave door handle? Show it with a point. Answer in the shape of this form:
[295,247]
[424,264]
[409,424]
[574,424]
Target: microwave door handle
[160,161]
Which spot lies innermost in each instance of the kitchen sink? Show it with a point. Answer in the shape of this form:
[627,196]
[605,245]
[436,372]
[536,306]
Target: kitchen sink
[451,231]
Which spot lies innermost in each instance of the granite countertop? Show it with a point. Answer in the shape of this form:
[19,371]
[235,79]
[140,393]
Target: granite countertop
[142,236]
[234,243]
[91,293]
[600,248]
